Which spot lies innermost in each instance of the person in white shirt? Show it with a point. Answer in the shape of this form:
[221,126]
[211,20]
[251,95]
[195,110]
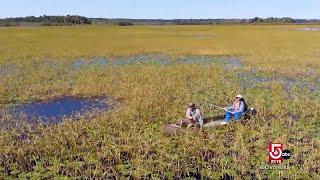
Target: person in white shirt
[193,115]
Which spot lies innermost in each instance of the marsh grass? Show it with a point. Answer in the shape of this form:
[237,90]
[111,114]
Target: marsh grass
[128,141]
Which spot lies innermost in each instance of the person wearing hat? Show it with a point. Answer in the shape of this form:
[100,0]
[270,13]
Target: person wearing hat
[237,110]
[193,116]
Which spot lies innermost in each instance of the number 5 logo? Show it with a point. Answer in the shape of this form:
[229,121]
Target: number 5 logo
[275,153]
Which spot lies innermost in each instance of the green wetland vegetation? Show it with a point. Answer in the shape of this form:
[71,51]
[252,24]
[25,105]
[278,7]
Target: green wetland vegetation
[150,74]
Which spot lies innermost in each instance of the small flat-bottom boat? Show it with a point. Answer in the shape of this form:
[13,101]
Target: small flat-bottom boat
[208,122]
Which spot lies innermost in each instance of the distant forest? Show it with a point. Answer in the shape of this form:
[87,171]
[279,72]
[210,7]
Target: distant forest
[45,21]
[80,20]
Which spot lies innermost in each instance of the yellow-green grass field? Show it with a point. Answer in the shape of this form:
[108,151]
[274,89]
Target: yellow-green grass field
[129,142]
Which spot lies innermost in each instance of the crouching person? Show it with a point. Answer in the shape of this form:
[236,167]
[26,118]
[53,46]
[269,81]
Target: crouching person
[236,111]
[193,116]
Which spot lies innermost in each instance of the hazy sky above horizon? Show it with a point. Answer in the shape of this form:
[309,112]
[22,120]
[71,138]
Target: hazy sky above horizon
[163,9]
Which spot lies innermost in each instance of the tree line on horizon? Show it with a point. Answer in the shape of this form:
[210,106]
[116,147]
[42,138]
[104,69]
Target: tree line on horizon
[70,20]
[45,21]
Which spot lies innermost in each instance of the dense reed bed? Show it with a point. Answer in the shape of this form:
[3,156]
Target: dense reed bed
[277,70]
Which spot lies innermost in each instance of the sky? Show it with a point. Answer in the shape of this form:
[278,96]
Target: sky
[163,9]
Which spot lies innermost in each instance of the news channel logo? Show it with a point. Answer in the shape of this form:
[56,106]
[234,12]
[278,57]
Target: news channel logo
[277,153]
